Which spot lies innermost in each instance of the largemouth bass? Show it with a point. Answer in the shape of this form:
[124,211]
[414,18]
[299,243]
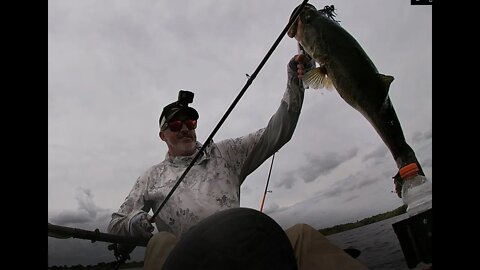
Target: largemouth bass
[344,65]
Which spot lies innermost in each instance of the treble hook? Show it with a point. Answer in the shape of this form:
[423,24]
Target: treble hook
[330,11]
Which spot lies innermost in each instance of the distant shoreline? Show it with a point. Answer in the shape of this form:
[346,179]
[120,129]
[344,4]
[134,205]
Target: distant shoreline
[352,225]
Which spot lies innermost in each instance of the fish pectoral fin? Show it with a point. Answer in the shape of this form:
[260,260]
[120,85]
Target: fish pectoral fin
[318,78]
[386,80]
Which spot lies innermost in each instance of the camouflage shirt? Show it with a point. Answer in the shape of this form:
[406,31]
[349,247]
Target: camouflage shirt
[213,183]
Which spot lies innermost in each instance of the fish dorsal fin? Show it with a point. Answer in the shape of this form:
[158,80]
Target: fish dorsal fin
[386,80]
[318,78]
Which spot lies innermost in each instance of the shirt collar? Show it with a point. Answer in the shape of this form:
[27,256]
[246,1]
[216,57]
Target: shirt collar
[185,159]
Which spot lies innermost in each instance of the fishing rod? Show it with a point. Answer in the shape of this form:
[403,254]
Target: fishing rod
[266,186]
[121,245]
[229,110]
[63,232]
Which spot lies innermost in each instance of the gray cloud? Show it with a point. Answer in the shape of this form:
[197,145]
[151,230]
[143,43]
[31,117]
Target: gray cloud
[273,207]
[87,210]
[348,184]
[419,137]
[377,155]
[246,190]
[69,217]
[288,180]
[316,166]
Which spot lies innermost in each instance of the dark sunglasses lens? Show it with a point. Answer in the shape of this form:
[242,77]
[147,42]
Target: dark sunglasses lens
[175,126]
[191,124]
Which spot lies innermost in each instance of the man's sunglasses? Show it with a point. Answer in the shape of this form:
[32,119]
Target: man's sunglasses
[178,124]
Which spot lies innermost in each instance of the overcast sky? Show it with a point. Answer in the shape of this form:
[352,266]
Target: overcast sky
[114,64]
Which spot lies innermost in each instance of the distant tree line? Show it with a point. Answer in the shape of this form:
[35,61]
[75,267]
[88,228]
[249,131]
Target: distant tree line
[348,226]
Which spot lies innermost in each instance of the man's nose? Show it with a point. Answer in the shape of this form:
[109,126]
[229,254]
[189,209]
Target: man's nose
[184,127]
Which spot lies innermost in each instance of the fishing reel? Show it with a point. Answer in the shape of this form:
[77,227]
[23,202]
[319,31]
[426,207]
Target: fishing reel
[121,253]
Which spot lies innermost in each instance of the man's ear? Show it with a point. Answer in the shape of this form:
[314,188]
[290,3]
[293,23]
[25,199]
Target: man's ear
[161,134]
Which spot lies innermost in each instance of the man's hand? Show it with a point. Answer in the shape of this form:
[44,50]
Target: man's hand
[301,60]
[140,226]
[301,63]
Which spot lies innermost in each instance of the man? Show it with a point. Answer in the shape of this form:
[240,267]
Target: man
[213,183]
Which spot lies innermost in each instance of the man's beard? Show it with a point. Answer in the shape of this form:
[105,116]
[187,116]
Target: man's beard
[187,148]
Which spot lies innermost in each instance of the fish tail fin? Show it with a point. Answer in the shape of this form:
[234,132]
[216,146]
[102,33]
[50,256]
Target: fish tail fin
[318,78]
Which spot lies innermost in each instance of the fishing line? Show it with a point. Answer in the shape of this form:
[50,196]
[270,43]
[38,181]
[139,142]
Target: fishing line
[229,110]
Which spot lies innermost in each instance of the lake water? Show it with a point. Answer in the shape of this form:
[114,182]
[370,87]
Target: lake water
[378,243]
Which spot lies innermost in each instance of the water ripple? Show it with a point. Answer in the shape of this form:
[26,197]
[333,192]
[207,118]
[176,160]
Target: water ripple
[378,243]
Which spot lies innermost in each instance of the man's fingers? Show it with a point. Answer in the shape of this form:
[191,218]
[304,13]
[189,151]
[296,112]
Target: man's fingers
[302,58]
[300,71]
[149,218]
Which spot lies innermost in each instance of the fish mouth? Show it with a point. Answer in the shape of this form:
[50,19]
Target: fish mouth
[293,29]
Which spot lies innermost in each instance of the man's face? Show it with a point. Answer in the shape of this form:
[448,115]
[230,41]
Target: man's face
[180,136]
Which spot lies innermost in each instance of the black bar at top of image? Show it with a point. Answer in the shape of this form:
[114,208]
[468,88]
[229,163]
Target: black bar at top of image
[421,2]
